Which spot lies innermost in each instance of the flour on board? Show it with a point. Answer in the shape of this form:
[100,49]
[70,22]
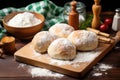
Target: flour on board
[80,57]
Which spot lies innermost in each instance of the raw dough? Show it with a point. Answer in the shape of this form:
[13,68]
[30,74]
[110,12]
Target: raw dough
[61,29]
[62,48]
[84,40]
[42,40]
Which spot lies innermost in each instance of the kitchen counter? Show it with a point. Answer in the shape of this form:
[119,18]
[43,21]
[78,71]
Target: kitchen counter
[108,68]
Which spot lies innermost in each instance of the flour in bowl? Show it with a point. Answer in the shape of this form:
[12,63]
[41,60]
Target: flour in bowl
[24,19]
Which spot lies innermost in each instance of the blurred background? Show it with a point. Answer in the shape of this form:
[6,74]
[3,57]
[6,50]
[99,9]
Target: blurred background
[107,5]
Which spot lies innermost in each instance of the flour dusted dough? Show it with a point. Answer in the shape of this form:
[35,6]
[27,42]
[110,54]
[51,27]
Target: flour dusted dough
[62,48]
[84,40]
[42,40]
[61,29]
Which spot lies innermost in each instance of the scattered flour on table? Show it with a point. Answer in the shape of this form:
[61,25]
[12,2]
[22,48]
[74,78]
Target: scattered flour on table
[37,71]
[97,74]
[24,19]
[102,68]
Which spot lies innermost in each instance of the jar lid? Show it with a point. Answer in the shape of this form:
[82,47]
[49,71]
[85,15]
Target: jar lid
[79,6]
[117,10]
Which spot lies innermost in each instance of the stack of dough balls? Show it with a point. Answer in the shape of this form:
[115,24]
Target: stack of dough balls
[62,41]
[62,48]
[55,42]
[61,30]
[42,40]
[84,40]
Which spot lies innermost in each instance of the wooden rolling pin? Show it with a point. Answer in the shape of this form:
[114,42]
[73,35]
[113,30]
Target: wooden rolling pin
[112,40]
[98,32]
[116,38]
[105,36]
[105,39]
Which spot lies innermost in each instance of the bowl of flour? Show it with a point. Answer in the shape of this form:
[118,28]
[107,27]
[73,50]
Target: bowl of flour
[23,25]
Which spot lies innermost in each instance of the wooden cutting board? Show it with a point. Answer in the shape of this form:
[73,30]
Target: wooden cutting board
[72,68]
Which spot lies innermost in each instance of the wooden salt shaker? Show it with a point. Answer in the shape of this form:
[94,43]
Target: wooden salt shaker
[96,8]
[8,46]
[74,16]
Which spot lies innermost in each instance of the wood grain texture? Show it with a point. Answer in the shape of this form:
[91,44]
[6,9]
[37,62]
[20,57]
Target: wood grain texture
[28,55]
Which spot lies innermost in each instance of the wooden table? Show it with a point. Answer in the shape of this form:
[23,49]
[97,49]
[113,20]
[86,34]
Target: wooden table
[11,70]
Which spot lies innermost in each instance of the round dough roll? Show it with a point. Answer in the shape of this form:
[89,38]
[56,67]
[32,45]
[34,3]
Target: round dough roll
[42,40]
[84,40]
[61,29]
[62,48]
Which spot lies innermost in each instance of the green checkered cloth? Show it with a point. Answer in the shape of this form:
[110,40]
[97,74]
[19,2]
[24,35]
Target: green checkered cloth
[53,14]
[2,32]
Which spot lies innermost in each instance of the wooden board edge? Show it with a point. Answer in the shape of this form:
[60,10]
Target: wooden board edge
[50,67]
[62,70]
[96,60]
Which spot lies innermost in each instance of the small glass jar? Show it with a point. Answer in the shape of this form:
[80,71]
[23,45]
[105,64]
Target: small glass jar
[81,9]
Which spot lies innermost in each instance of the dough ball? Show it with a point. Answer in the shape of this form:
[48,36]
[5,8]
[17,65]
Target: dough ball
[42,40]
[62,48]
[84,40]
[61,29]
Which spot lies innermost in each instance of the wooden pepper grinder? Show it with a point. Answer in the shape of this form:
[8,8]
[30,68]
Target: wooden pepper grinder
[96,8]
[74,16]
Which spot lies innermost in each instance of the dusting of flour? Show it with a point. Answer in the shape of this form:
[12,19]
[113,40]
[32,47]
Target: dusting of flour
[101,69]
[24,19]
[37,71]
[80,57]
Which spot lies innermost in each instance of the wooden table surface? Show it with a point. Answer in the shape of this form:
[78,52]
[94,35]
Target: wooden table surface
[11,70]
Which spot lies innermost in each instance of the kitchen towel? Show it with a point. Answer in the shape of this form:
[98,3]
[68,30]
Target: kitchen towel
[53,14]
